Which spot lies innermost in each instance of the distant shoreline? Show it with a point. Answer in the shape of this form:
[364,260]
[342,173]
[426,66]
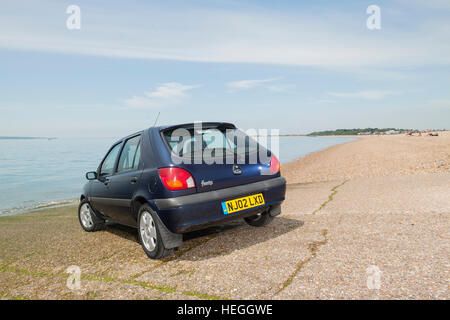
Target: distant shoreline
[27,138]
[38,207]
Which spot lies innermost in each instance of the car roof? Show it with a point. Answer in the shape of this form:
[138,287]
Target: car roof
[183,125]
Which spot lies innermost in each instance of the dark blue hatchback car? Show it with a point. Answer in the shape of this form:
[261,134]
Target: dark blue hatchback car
[166,181]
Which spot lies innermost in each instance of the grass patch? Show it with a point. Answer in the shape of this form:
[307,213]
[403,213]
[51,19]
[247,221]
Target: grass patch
[313,247]
[14,298]
[181,272]
[150,286]
[330,197]
[202,295]
[110,279]
[27,272]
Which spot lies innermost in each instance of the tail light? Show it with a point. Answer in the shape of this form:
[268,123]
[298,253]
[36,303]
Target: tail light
[274,165]
[176,178]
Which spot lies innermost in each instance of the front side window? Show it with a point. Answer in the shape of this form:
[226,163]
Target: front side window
[130,156]
[110,160]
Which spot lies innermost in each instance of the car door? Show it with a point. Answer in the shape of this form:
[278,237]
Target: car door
[100,195]
[126,179]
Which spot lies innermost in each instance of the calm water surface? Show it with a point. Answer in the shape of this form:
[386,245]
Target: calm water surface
[41,172]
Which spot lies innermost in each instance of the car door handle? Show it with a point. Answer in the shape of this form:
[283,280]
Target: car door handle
[134,180]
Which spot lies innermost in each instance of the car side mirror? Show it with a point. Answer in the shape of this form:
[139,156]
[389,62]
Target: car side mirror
[91,175]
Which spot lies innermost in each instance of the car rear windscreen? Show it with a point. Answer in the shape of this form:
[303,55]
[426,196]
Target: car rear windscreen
[187,142]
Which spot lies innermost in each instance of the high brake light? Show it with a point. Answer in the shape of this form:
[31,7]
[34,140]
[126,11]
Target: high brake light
[176,178]
[274,165]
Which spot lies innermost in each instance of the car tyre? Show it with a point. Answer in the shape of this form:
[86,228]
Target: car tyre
[88,219]
[149,234]
[259,220]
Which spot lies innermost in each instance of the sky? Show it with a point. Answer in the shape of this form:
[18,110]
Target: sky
[296,66]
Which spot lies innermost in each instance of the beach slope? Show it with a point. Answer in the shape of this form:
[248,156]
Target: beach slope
[369,219]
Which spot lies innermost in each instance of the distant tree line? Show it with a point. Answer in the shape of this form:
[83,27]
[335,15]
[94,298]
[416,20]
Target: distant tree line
[345,132]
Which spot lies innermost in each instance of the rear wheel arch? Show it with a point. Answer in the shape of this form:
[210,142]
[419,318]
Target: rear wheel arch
[137,203]
[165,241]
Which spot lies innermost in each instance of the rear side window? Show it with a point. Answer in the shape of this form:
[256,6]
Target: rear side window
[110,160]
[130,156]
[137,157]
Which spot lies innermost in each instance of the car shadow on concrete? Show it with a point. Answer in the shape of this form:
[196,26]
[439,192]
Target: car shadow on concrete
[243,236]
[125,232]
[237,235]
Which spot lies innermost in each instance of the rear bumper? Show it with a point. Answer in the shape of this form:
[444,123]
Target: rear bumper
[193,212]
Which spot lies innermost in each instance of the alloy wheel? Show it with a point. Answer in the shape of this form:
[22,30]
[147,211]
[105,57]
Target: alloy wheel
[147,230]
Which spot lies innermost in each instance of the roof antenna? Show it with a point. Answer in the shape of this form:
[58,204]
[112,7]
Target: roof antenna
[157,117]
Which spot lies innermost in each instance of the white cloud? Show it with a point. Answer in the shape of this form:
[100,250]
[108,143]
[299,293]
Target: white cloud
[440,103]
[164,94]
[250,84]
[330,38]
[327,101]
[139,102]
[369,94]
[431,4]
[170,90]
[267,84]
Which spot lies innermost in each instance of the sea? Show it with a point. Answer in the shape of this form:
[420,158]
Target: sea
[40,173]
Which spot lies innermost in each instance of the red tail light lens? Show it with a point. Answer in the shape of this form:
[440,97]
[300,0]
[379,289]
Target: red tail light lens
[176,178]
[274,165]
